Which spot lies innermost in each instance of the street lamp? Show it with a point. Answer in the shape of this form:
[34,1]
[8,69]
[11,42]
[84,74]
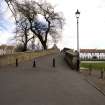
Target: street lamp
[77,13]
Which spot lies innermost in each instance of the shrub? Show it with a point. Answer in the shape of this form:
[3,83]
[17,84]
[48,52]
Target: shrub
[19,48]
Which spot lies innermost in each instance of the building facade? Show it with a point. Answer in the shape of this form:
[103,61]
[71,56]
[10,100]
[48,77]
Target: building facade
[5,49]
[86,54]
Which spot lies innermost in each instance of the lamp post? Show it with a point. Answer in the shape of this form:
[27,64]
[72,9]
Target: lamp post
[77,13]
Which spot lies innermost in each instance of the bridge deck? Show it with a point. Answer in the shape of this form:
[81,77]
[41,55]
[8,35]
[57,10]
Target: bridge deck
[45,85]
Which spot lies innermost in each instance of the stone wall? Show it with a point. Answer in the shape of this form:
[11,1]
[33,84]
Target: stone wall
[71,59]
[23,56]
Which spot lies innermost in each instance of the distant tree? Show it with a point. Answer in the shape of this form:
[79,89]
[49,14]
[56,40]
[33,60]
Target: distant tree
[19,48]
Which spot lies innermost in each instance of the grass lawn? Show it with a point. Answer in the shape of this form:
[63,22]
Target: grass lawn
[93,65]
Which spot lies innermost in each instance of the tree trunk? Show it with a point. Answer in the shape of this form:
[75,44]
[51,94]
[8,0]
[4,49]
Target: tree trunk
[26,40]
[40,38]
[44,45]
[25,47]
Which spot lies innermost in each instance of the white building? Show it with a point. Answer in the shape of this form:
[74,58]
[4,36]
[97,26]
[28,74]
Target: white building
[4,49]
[91,53]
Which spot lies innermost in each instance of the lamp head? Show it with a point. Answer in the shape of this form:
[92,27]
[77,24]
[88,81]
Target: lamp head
[77,13]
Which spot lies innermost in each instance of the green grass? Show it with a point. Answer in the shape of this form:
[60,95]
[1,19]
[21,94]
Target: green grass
[96,66]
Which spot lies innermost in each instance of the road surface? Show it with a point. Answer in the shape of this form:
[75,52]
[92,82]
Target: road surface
[45,85]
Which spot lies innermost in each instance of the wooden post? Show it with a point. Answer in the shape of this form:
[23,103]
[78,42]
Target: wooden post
[102,74]
[90,69]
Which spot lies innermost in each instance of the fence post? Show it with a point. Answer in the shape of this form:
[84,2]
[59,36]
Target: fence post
[90,69]
[102,74]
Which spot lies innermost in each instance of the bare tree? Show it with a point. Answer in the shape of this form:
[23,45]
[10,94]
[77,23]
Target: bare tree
[23,32]
[29,10]
[22,29]
[11,5]
[54,21]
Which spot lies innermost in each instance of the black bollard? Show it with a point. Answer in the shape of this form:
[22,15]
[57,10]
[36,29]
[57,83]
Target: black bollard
[102,74]
[53,62]
[78,65]
[16,62]
[34,64]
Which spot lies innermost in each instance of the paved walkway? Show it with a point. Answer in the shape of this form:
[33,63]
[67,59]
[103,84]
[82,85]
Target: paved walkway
[45,85]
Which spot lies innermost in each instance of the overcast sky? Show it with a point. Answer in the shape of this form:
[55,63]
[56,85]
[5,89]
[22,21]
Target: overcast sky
[91,23]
